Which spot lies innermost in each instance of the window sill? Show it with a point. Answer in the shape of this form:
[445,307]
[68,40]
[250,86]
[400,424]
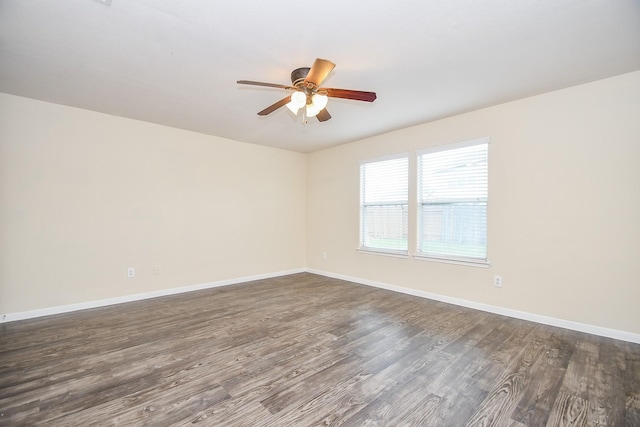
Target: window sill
[470,263]
[394,254]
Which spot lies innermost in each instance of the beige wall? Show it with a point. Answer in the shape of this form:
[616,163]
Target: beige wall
[85,195]
[564,206]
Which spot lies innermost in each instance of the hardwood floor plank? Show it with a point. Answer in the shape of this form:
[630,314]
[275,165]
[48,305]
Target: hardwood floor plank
[546,379]
[631,383]
[607,399]
[401,401]
[568,411]
[503,399]
[306,350]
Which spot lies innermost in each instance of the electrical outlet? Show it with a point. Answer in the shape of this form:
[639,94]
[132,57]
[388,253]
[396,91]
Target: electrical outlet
[156,269]
[324,255]
[131,272]
[497,281]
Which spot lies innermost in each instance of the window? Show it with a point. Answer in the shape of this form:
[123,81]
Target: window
[452,202]
[384,208]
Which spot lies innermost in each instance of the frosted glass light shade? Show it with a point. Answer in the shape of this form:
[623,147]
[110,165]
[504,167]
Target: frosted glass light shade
[292,107]
[298,99]
[312,110]
[320,101]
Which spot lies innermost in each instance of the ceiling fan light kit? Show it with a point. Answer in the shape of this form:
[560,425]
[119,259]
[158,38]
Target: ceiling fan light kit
[307,92]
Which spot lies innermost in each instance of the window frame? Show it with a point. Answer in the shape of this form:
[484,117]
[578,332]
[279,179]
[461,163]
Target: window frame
[403,253]
[442,257]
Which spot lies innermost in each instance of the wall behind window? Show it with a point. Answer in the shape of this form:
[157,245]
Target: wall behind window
[564,206]
[85,195]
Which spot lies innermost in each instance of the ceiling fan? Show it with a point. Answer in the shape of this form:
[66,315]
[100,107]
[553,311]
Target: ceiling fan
[307,91]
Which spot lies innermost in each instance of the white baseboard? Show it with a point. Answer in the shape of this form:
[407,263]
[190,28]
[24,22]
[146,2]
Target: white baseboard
[545,320]
[12,317]
[551,321]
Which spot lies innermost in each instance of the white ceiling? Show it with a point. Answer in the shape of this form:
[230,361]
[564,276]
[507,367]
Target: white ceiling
[177,62]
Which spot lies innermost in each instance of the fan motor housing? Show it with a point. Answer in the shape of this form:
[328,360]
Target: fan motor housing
[298,75]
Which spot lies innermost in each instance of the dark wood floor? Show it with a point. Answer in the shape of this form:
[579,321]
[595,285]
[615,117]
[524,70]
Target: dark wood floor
[306,350]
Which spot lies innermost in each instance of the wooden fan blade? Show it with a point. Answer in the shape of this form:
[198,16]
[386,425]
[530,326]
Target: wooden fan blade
[358,95]
[319,71]
[271,108]
[323,115]
[249,82]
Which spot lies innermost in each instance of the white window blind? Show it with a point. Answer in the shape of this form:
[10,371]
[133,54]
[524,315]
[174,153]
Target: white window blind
[452,201]
[384,195]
